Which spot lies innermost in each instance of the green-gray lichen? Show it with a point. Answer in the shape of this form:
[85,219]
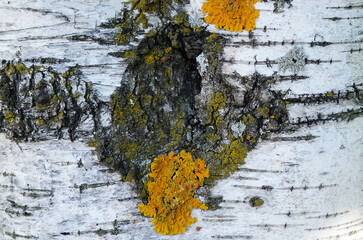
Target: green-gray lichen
[36,101]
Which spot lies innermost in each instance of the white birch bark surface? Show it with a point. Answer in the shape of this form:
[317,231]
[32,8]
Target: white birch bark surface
[56,189]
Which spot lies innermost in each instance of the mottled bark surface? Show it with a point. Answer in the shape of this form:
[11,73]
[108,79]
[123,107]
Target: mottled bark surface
[301,180]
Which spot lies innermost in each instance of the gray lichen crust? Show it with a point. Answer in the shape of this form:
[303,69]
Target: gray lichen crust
[294,60]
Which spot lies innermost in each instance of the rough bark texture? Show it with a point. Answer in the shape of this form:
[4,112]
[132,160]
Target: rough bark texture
[302,178]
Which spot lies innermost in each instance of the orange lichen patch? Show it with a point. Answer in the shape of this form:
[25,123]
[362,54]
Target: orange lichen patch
[232,15]
[171,194]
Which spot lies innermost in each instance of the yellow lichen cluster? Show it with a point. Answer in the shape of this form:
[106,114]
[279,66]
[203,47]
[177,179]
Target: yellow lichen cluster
[158,55]
[232,15]
[171,194]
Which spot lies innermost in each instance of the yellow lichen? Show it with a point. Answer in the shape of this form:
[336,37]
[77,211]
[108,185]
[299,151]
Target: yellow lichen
[127,147]
[136,17]
[263,111]
[151,59]
[9,116]
[123,38]
[233,154]
[258,202]
[146,99]
[228,157]
[232,15]
[214,43]
[330,94]
[171,193]
[181,18]
[248,119]
[9,70]
[132,111]
[21,68]
[216,104]
[129,54]
[157,55]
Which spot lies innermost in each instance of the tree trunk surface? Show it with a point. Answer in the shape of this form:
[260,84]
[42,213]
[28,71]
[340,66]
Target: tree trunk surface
[311,180]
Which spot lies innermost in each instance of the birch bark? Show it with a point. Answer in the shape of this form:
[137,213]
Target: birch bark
[310,180]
